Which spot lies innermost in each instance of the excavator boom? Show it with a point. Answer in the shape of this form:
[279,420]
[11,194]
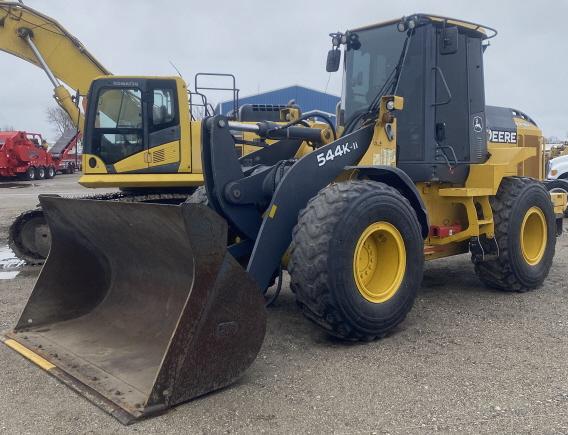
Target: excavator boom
[65,56]
[42,41]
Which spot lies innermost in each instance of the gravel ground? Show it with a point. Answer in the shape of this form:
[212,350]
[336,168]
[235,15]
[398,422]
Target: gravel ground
[467,359]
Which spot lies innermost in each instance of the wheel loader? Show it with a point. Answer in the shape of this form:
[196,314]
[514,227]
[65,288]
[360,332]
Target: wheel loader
[140,307]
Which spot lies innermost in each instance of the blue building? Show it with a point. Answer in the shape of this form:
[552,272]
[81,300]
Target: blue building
[308,99]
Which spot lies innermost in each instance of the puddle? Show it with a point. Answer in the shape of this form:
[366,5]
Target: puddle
[9,263]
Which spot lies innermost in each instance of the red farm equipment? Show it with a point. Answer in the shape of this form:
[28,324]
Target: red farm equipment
[23,155]
[65,152]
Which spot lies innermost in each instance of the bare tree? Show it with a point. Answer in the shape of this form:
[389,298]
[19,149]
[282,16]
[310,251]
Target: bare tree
[59,119]
[8,128]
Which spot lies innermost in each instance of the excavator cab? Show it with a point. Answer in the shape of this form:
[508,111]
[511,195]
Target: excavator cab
[138,129]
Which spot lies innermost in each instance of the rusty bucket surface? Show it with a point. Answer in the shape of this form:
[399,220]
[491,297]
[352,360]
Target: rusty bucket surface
[139,306]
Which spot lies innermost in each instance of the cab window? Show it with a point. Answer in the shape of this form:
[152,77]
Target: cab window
[163,109]
[119,129]
[119,108]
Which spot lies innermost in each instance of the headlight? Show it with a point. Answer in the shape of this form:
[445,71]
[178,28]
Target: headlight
[554,172]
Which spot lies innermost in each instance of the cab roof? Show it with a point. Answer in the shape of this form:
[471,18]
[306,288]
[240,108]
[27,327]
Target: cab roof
[486,32]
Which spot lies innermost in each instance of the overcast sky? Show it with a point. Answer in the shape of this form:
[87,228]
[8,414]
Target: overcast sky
[271,44]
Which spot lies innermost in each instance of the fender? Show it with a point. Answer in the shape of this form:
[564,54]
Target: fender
[560,167]
[400,180]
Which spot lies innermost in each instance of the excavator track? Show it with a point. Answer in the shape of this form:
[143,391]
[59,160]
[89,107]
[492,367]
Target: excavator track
[29,236]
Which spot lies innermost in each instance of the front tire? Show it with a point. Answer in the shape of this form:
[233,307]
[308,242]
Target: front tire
[525,232]
[356,259]
[30,174]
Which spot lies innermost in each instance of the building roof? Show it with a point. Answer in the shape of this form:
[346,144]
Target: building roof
[307,98]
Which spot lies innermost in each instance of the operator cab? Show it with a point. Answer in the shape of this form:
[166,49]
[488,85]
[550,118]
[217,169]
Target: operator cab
[130,118]
[436,65]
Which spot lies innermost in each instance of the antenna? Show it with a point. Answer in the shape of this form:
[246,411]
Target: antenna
[175,67]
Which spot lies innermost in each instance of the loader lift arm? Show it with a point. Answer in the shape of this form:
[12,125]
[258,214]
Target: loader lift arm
[43,42]
[298,181]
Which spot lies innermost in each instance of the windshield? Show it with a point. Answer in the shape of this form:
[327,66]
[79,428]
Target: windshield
[371,66]
[118,124]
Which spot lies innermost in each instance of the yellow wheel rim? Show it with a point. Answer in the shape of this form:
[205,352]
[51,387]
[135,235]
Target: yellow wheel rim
[379,263]
[534,235]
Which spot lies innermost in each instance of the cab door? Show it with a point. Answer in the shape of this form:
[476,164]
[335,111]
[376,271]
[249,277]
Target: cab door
[164,132]
[117,136]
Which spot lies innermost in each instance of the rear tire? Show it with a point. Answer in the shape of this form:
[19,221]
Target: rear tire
[40,172]
[30,174]
[50,173]
[29,237]
[325,254]
[525,232]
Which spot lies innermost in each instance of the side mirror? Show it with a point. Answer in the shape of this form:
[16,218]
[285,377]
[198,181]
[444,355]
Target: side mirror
[333,60]
[449,40]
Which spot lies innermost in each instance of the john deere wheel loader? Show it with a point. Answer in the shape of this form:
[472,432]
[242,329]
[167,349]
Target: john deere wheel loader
[140,307]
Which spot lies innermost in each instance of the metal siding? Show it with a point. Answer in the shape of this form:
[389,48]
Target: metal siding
[307,99]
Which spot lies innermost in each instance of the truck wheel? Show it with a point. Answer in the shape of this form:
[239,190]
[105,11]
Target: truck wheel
[525,233]
[356,259]
[50,172]
[30,173]
[561,186]
[40,172]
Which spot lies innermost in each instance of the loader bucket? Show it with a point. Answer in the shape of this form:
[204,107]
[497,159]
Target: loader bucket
[139,306]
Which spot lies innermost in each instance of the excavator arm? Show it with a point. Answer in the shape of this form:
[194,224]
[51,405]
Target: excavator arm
[42,41]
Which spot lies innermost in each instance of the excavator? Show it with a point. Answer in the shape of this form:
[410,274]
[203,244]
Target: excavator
[163,170]
[140,307]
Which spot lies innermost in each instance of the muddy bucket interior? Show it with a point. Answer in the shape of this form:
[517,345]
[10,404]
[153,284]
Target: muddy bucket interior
[139,306]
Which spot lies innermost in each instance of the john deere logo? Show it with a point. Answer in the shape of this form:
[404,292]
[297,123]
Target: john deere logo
[478,124]
[497,136]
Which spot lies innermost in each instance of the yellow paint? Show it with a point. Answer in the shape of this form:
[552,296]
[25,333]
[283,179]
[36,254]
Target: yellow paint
[99,168]
[528,136]
[534,236]
[502,162]
[272,211]
[135,162]
[187,142]
[141,180]
[434,252]
[382,150]
[69,61]
[32,356]
[64,99]
[559,202]
[379,262]
[65,56]
[446,206]
[164,154]
[458,23]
